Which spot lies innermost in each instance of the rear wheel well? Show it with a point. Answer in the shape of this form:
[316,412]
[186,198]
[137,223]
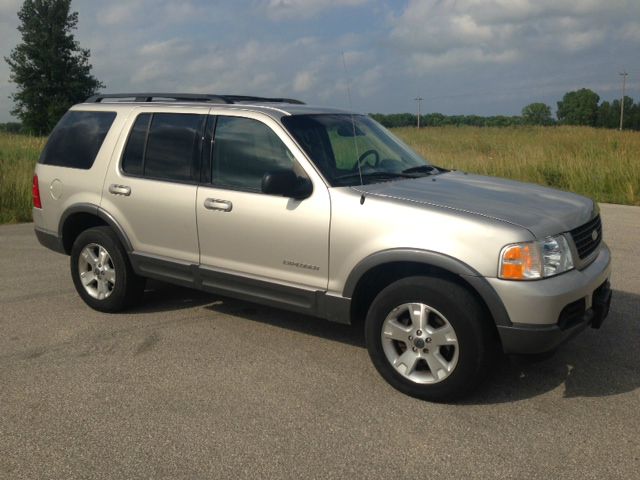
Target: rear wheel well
[381,276]
[77,223]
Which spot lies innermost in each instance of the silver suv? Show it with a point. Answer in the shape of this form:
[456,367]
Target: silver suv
[326,213]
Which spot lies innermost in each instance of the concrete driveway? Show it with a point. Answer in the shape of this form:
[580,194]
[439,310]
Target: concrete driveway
[195,386]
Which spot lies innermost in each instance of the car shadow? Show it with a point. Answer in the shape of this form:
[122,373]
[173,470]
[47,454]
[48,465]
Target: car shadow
[595,363]
[349,334]
[163,297]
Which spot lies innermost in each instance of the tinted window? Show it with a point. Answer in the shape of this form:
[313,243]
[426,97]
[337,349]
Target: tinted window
[77,138]
[173,146]
[244,150]
[164,146]
[134,151]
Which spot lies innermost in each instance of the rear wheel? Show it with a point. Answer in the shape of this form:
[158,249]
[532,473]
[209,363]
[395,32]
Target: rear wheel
[102,273]
[429,338]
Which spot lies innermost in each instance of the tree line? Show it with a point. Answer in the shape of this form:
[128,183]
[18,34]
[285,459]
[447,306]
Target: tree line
[579,107]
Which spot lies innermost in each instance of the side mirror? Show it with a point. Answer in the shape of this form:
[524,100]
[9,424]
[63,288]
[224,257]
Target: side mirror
[287,184]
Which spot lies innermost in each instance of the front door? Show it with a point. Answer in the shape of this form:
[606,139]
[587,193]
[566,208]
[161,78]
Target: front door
[245,232]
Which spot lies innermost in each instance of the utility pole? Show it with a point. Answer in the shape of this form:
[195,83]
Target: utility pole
[624,82]
[419,100]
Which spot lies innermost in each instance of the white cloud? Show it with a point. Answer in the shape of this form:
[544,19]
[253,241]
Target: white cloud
[9,37]
[303,81]
[306,67]
[576,41]
[453,32]
[118,13]
[425,62]
[296,9]
[153,12]
[166,48]
[631,32]
[435,48]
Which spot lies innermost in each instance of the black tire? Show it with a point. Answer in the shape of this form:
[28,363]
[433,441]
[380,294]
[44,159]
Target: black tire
[127,288]
[476,338]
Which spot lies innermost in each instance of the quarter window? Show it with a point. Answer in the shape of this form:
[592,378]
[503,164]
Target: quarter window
[134,151]
[77,138]
[244,150]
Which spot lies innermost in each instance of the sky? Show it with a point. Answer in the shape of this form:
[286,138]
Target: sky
[483,57]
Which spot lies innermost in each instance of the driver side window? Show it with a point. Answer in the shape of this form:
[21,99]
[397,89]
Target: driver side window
[244,150]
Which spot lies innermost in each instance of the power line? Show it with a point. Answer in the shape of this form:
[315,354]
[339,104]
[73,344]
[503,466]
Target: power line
[624,84]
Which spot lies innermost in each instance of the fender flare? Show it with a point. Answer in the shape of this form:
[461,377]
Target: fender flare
[433,259]
[102,214]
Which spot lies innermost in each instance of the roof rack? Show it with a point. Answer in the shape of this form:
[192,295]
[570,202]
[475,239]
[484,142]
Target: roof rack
[187,97]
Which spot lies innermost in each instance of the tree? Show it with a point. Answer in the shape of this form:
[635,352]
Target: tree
[629,111]
[579,107]
[10,127]
[50,69]
[607,116]
[537,114]
[632,116]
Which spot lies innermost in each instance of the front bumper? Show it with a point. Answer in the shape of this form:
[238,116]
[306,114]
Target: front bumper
[544,338]
[545,313]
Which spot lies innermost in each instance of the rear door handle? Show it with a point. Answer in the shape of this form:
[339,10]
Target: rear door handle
[119,190]
[217,204]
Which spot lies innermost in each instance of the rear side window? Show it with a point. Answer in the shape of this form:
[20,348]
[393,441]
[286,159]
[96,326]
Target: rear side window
[165,146]
[77,138]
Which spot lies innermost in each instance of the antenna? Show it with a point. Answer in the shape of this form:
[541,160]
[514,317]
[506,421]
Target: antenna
[353,122]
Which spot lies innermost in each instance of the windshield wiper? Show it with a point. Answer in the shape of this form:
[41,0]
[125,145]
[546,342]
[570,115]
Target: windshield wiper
[378,174]
[422,169]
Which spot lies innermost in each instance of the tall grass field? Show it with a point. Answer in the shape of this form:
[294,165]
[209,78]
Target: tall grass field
[18,156]
[602,164]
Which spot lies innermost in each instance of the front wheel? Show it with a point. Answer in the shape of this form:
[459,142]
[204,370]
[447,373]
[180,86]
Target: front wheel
[429,338]
[101,271]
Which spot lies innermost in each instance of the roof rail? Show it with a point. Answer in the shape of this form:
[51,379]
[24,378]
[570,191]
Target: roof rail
[247,98]
[188,97]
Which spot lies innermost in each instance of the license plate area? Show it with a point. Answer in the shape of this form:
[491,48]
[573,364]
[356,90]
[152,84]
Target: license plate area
[600,303]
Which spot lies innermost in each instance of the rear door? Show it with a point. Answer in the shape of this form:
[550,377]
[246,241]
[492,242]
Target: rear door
[151,187]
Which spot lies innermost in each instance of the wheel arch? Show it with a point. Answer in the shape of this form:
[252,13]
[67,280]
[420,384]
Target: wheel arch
[380,269]
[80,217]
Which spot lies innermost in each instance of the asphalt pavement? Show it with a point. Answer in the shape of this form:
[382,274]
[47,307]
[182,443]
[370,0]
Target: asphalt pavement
[196,386]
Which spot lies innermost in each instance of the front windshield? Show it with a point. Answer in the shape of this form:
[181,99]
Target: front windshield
[336,143]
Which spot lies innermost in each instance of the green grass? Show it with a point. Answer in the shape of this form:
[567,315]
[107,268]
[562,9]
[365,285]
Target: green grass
[602,164]
[18,156]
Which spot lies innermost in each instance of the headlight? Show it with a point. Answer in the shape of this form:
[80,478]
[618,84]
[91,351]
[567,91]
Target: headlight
[534,260]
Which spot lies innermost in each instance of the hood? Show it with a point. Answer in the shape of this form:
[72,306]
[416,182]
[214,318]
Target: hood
[541,210]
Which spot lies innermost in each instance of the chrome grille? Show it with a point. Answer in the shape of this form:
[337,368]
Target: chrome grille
[583,237]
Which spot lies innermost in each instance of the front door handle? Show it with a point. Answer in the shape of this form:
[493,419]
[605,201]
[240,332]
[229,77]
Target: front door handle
[217,204]
[119,189]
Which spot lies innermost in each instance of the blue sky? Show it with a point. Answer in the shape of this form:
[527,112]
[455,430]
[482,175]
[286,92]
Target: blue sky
[481,57]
